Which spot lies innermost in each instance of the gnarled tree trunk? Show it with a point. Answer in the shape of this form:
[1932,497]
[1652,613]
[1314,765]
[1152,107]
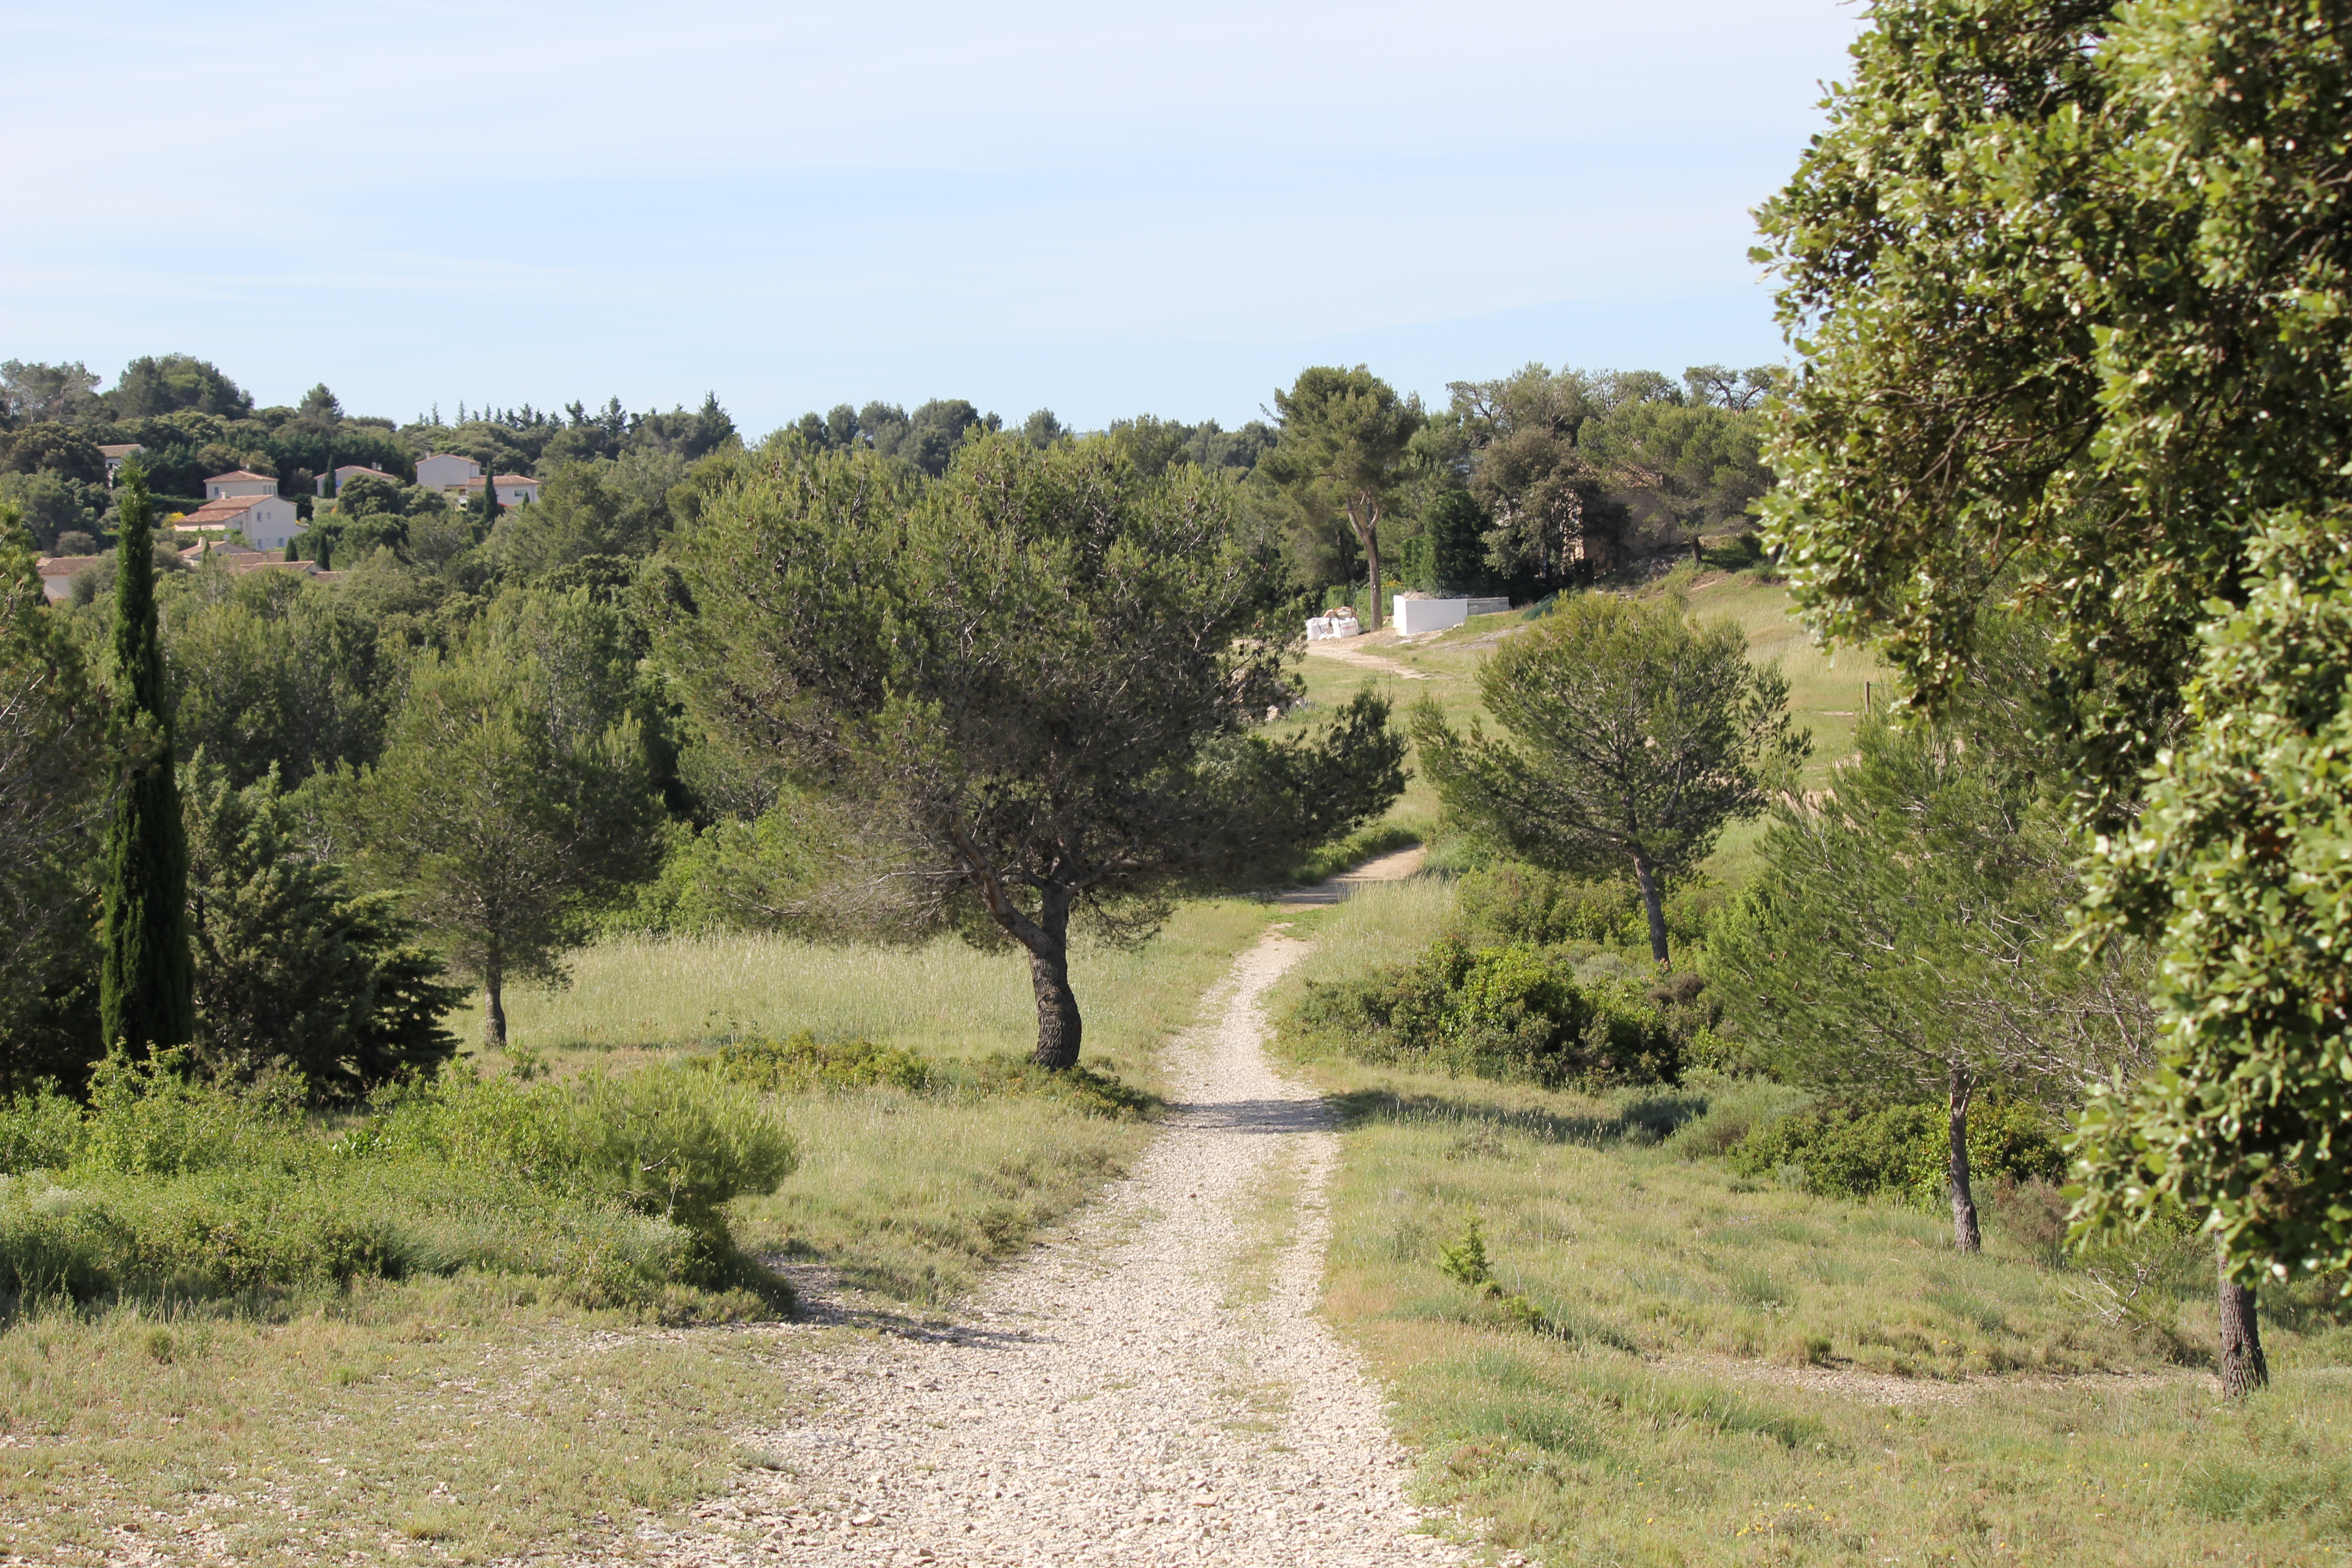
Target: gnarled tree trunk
[1047,938]
[1966,1237]
[2243,1370]
[1365,518]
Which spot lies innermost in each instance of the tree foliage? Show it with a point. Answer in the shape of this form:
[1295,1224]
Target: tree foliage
[1903,939]
[1343,447]
[2075,287]
[292,969]
[144,996]
[1640,736]
[1035,683]
[513,792]
[53,776]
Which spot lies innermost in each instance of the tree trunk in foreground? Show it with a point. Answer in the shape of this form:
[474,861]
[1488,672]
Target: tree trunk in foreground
[1966,1237]
[1652,905]
[2243,1370]
[1047,938]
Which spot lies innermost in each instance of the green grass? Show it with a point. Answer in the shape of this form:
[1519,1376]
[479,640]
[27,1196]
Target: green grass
[491,1414]
[1679,1366]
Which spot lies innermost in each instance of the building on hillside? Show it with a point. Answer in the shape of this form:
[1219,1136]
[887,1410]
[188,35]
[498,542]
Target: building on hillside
[239,561]
[266,521]
[332,484]
[447,472]
[59,571]
[116,456]
[239,482]
[514,489]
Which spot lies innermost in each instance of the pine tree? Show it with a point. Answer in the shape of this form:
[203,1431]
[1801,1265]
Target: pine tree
[146,995]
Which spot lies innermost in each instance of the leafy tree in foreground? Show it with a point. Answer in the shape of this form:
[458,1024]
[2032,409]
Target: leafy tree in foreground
[1344,441]
[144,996]
[292,967]
[1032,683]
[52,776]
[1640,736]
[2075,288]
[513,792]
[1901,941]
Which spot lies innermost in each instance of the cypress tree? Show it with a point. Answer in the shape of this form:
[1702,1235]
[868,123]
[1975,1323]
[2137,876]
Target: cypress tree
[146,985]
[490,501]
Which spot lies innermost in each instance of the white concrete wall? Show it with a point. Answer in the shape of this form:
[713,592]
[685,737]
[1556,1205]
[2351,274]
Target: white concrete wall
[446,468]
[1414,616]
[215,489]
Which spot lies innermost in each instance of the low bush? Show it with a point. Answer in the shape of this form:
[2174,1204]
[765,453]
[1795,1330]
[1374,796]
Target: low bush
[1560,1015]
[803,1061]
[1903,1150]
[615,1187]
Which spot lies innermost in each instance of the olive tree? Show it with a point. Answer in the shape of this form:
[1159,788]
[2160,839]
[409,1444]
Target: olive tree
[1033,689]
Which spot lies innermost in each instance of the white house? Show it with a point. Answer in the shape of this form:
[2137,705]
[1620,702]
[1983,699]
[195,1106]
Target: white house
[447,472]
[58,572]
[116,455]
[514,489]
[334,483]
[266,521]
[239,482]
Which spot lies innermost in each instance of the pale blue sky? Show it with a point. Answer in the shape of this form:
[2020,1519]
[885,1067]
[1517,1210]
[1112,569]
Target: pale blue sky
[1104,210]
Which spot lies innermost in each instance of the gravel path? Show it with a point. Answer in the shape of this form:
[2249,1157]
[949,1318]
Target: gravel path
[1152,1389]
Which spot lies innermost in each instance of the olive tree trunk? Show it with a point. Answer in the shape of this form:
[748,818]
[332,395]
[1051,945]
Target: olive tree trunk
[1966,1235]
[2243,1370]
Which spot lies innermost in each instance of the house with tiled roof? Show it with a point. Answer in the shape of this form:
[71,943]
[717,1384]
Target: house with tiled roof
[116,454]
[58,572]
[332,484]
[240,560]
[239,482]
[266,521]
[514,489]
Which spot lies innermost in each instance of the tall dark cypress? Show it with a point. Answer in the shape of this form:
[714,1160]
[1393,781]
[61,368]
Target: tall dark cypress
[146,985]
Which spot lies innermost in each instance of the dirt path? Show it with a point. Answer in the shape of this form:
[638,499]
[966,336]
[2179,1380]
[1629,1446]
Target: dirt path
[1393,868]
[1153,1389]
[1339,651]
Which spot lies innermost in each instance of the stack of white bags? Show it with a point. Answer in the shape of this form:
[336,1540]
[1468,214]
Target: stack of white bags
[1339,623]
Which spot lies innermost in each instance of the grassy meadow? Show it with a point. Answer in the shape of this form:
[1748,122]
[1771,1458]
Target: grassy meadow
[1678,1366]
[480,1415]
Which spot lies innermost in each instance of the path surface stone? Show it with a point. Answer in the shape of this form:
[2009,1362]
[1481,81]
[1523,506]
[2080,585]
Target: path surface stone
[1153,1388]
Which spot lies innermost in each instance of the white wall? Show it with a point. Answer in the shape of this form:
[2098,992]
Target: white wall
[446,468]
[1414,616]
[267,524]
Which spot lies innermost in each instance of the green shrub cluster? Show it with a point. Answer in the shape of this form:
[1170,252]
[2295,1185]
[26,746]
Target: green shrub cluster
[1558,1015]
[801,1061]
[613,1187]
[1905,1151]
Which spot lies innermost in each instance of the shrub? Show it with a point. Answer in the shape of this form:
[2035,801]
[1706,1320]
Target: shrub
[680,1144]
[39,1132]
[1903,1149]
[1552,1015]
[803,1061]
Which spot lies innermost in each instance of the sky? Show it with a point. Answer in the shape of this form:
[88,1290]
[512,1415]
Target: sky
[1103,210]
